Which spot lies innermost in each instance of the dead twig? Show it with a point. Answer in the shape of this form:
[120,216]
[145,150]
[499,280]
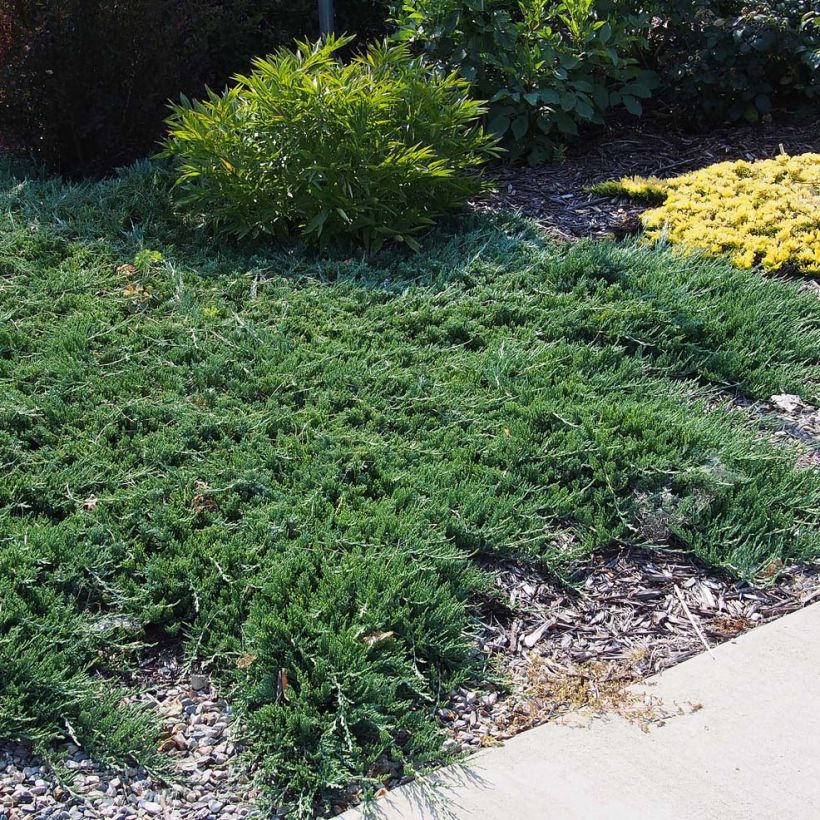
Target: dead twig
[693,622]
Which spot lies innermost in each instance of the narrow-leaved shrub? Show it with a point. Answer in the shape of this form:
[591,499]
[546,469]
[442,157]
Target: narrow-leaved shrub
[368,151]
[297,480]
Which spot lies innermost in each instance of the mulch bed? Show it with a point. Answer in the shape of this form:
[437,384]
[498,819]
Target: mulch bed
[554,194]
[631,614]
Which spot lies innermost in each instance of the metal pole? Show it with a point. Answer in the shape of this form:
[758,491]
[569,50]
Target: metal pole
[326,17]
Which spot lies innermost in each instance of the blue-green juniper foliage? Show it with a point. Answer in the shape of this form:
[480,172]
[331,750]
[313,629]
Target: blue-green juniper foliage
[292,462]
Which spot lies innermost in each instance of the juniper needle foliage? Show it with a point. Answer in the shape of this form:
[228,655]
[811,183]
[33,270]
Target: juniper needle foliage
[290,463]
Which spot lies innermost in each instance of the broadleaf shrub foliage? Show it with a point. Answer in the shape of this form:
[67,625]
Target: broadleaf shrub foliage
[737,59]
[367,151]
[547,68]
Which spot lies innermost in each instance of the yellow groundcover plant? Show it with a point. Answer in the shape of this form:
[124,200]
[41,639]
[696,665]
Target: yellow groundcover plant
[765,212]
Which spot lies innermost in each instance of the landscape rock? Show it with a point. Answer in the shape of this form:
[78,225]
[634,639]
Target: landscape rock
[209,785]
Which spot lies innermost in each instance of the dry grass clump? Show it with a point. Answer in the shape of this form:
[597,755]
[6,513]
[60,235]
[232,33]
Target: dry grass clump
[589,689]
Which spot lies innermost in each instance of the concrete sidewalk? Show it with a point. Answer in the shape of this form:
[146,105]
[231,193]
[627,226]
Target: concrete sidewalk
[751,751]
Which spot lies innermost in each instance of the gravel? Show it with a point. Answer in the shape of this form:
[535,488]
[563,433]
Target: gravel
[624,621]
[208,779]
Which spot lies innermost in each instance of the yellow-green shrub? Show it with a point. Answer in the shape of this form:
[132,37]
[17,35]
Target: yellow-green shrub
[368,151]
[765,212]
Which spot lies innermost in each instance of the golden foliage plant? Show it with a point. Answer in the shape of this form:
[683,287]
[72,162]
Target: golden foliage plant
[759,213]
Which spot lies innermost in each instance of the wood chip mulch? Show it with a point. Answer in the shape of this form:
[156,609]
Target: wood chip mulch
[554,194]
[628,615]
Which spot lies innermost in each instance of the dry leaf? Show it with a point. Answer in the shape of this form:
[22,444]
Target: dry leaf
[772,569]
[532,639]
[136,291]
[787,402]
[167,745]
[203,500]
[375,638]
[172,708]
[282,685]
[244,661]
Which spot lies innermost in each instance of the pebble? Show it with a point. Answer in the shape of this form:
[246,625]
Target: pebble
[199,682]
[198,734]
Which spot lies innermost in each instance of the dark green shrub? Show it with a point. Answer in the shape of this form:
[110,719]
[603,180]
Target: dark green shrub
[294,457]
[545,67]
[84,83]
[737,60]
[46,650]
[368,151]
[367,639]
